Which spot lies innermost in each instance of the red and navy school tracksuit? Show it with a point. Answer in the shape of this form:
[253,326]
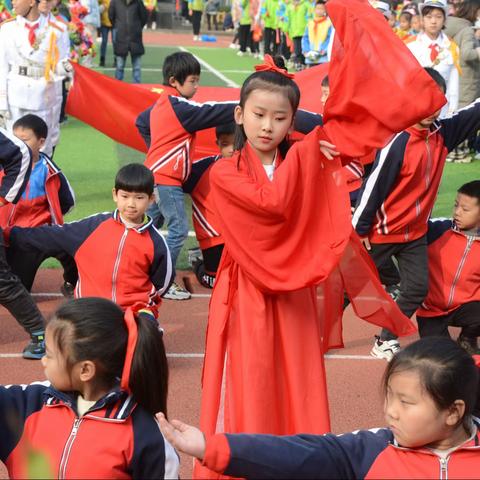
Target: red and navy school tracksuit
[397,198]
[364,454]
[125,265]
[48,196]
[16,161]
[454,281]
[43,435]
[205,220]
[173,122]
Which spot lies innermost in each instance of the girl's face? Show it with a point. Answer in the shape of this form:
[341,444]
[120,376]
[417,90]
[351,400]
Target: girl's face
[267,118]
[412,415]
[404,23]
[22,7]
[433,22]
[55,365]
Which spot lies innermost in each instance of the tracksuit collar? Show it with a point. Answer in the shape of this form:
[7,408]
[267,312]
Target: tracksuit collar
[117,217]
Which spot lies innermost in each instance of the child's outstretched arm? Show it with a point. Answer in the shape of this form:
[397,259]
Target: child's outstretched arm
[268,456]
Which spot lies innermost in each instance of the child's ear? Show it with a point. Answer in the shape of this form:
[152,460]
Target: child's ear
[172,81]
[151,199]
[87,370]
[42,142]
[455,413]
[238,115]
[114,194]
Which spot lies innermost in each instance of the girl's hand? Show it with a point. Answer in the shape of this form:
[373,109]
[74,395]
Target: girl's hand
[328,149]
[183,437]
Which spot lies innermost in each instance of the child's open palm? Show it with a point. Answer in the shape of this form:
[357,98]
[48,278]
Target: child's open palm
[183,437]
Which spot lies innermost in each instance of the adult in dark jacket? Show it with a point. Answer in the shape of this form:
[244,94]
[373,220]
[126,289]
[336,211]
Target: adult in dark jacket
[128,18]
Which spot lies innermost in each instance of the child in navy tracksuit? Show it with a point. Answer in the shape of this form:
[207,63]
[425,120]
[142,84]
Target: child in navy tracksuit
[16,161]
[95,419]
[121,255]
[431,396]
[173,122]
[396,200]
[454,272]
[47,198]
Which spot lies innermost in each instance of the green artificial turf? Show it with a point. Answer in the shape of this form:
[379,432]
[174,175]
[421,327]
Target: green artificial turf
[90,159]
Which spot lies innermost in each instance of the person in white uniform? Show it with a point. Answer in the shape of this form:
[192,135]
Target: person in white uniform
[34,51]
[432,48]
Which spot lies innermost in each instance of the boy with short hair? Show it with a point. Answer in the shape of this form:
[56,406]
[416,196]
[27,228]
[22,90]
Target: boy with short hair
[203,213]
[396,199]
[16,161]
[47,198]
[318,36]
[120,255]
[454,272]
[174,121]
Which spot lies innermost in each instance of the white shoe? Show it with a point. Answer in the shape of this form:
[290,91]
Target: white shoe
[233,45]
[154,26]
[385,349]
[240,53]
[176,292]
[195,38]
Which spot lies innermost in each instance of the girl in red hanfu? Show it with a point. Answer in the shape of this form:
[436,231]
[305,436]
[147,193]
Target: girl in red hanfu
[289,248]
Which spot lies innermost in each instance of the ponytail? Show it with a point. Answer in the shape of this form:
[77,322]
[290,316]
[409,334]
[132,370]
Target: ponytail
[149,372]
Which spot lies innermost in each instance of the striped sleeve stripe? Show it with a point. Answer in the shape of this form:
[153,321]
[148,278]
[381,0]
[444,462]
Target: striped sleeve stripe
[203,221]
[169,269]
[371,182]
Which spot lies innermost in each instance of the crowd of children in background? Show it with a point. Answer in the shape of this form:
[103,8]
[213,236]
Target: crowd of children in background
[119,267]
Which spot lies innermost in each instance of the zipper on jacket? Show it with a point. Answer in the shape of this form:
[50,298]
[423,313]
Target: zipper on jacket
[67,448]
[117,264]
[443,468]
[470,241]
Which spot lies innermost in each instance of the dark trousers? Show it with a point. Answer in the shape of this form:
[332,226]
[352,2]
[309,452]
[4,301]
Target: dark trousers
[243,36]
[284,48]
[25,265]
[211,16]
[151,17]
[297,46]
[467,317]
[270,45]
[413,269]
[206,271]
[196,21]
[15,298]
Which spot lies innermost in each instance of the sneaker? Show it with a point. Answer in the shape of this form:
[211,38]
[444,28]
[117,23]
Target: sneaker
[35,350]
[194,255]
[195,38]
[393,290]
[240,53]
[176,292]
[385,349]
[67,289]
[470,345]
[233,45]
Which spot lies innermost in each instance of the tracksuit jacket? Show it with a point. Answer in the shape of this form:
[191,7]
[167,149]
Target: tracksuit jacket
[453,269]
[125,265]
[362,454]
[47,198]
[44,437]
[203,212]
[396,200]
[16,161]
[174,121]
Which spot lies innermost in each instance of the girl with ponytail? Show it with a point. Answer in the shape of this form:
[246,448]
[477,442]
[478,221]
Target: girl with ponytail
[95,416]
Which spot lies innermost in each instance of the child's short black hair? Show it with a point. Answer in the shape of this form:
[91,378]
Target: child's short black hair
[325,81]
[180,65]
[320,2]
[34,123]
[471,189]
[135,177]
[225,129]
[439,80]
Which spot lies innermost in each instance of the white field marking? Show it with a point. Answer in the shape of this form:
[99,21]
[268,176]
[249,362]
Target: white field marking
[159,70]
[201,355]
[213,70]
[58,295]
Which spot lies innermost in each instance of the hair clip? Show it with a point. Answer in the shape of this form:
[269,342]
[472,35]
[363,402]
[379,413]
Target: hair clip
[268,65]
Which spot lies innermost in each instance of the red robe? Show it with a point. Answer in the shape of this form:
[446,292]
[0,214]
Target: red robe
[269,324]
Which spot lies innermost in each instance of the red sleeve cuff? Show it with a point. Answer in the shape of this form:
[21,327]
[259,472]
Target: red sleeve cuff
[217,453]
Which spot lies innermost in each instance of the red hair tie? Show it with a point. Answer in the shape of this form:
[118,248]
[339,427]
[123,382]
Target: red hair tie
[132,330]
[268,65]
[476,359]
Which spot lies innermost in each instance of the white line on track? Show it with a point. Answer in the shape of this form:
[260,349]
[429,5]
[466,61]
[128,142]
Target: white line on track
[201,355]
[213,70]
